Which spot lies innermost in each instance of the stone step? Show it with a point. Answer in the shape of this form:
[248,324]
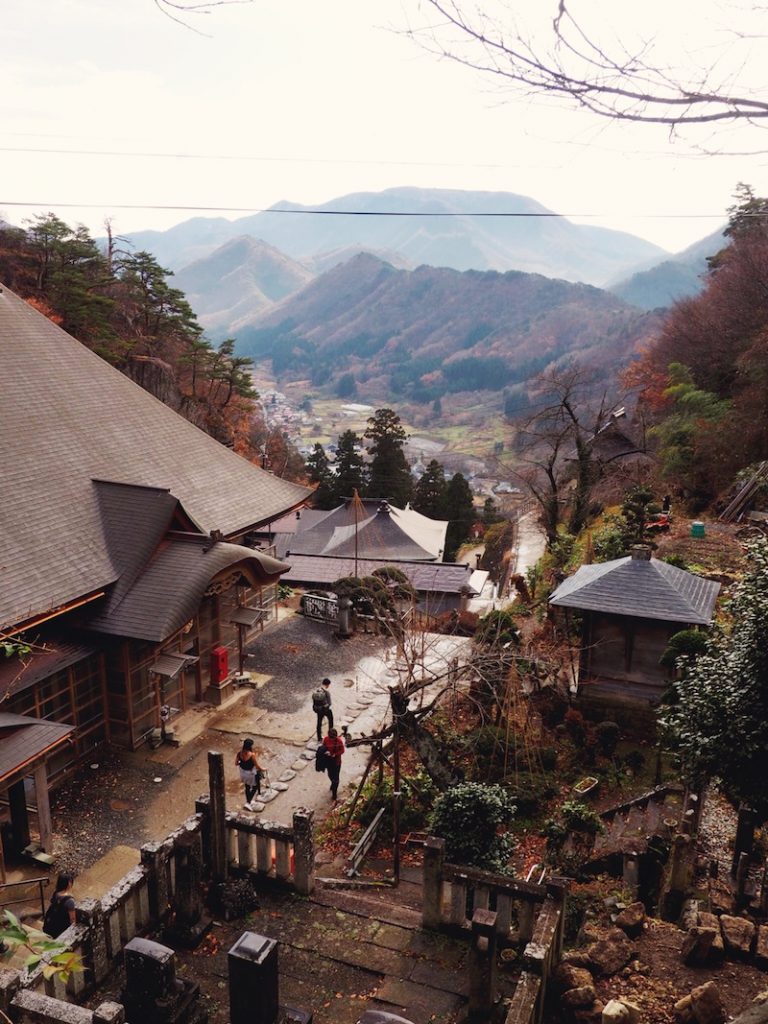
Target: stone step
[367,905]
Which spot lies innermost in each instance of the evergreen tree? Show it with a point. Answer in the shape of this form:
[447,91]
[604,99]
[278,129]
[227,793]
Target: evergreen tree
[716,720]
[460,512]
[350,468]
[429,493]
[319,472]
[491,513]
[390,475]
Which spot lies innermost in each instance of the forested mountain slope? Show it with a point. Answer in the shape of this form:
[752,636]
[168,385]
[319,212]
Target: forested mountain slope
[426,332]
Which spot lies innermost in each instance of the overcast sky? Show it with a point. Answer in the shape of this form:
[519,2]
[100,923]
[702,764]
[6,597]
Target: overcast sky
[307,101]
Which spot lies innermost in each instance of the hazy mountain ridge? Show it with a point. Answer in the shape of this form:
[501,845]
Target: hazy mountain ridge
[237,281]
[434,330]
[449,228]
[661,285]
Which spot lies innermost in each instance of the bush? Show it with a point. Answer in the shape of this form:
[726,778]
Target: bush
[548,758]
[417,794]
[607,734]
[576,727]
[468,817]
[577,817]
[529,796]
[635,761]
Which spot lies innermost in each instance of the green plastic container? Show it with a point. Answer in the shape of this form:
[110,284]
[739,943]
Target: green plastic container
[697,529]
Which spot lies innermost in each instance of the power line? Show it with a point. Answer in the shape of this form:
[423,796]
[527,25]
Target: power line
[368,213]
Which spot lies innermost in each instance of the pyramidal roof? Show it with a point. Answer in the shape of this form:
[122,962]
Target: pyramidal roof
[642,587]
[375,530]
[67,418]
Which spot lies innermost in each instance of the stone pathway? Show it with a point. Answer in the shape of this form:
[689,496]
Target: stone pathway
[343,953]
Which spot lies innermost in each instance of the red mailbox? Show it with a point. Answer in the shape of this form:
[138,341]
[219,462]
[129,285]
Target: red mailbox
[219,665]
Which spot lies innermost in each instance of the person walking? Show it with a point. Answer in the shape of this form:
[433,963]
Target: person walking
[334,745]
[61,910]
[321,705]
[250,772]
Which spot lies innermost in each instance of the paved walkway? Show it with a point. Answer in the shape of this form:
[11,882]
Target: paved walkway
[149,793]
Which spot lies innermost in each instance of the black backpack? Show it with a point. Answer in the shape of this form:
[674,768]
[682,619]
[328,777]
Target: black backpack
[318,699]
[321,758]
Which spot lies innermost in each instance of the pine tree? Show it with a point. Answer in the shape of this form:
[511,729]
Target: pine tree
[460,512]
[429,493]
[390,475]
[491,513]
[350,468]
[319,472]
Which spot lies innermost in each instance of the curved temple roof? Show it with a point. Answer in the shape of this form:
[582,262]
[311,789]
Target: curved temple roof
[68,418]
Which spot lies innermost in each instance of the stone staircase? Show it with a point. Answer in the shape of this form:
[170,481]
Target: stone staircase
[629,827]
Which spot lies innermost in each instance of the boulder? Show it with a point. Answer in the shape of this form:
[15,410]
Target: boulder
[697,946]
[579,998]
[712,921]
[590,1015]
[756,1012]
[611,953]
[684,1010]
[615,1012]
[567,976]
[761,947]
[631,919]
[738,935]
[706,1004]
[577,958]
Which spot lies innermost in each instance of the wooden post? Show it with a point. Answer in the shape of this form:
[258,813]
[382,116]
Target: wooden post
[395,786]
[482,965]
[43,808]
[218,811]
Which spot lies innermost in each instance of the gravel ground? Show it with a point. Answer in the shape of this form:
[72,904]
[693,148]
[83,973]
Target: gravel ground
[717,829]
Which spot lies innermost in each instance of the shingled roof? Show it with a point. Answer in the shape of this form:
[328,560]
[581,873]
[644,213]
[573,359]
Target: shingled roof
[167,592]
[67,418]
[426,577]
[24,739]
[641,587]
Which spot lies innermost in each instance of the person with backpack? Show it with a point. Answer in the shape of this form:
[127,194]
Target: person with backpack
[250,772]
[321,705]
[61,910]
[335,748]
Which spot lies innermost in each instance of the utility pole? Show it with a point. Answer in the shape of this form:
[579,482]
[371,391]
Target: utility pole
[395,703]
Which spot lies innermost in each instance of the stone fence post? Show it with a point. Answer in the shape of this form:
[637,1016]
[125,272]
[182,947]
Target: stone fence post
[91,913]
[154,858]
[303,852]
[482,965]
[432,883]
[218,816]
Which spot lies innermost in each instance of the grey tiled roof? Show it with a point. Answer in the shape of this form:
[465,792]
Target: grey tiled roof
[68,418]
[377,532]
[166,594]
[648,589]
[426,577]
[23,738]
[16,676]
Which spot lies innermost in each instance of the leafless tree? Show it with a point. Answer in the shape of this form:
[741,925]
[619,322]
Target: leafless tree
[592,65]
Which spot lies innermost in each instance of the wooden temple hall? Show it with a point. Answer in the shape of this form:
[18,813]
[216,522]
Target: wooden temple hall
[127,564]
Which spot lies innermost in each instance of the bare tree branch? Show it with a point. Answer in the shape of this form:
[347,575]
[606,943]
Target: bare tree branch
[620,84]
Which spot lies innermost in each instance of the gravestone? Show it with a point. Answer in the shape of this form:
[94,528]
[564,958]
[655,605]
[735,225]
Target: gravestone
[254,988]
[153,994]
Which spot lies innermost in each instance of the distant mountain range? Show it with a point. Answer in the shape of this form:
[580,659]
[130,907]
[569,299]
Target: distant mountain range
[367,328]
[233,272]
[460,229]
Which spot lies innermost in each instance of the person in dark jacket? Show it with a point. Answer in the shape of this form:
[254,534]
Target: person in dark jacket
[61,910]
[321,704]
[334,744]
[250,772]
